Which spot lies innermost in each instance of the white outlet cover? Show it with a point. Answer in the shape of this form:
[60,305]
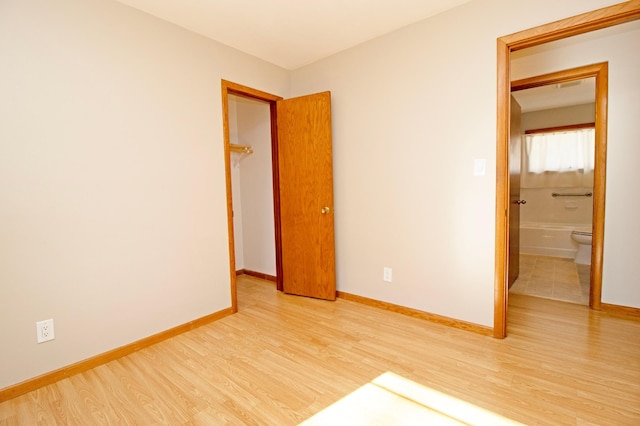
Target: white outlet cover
[44,331]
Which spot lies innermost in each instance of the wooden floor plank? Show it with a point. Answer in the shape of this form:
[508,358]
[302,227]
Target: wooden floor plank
[282,359]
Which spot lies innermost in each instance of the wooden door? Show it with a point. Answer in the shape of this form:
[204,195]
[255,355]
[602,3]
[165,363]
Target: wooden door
[515,146]
[306,196]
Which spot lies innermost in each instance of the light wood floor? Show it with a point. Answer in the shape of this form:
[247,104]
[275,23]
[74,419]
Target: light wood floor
[282,359]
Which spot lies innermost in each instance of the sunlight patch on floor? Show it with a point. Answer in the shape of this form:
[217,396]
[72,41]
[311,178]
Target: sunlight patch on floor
[391,399]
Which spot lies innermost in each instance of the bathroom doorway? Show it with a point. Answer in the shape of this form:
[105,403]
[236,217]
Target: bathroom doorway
[531,91]
[556,180]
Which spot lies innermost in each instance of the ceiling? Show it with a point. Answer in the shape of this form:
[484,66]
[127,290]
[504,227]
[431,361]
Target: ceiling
[557,95]
[295,33]
[292,33]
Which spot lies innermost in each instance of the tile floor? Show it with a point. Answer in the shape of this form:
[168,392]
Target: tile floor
[553,278]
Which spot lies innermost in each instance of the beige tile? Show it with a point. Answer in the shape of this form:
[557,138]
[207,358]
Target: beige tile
[583,269]
[554,278]
[518,288]
[545,264]
[566,267]
[526,269]
[543,274]
[570,277]
[527,260]
[559,290]
[524,276]
[540,291]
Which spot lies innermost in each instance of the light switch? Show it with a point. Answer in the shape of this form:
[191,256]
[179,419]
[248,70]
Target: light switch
[387,274]
[479,167]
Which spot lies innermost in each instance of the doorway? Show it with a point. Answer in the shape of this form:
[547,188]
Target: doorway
[587,22]
[302,182]
[252,190]
[561,194]
[233,89]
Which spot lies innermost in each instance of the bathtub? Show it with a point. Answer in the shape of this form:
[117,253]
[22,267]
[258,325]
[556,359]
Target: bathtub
[549,239]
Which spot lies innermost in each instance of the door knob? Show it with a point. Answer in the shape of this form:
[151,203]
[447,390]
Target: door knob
[520,202]
[325,210]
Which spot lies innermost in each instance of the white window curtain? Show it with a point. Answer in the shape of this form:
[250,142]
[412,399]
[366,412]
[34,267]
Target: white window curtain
[558,159]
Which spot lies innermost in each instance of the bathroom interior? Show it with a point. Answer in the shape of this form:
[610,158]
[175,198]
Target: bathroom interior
[556,193]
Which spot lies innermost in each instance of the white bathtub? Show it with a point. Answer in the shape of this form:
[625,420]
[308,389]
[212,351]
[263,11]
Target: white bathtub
[549,239]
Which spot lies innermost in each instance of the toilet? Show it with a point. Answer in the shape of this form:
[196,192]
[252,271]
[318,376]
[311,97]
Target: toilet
[583,238]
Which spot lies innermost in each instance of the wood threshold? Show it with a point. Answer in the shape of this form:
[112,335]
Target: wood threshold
[260,275]
[112,355]
[415,313]
[580,24]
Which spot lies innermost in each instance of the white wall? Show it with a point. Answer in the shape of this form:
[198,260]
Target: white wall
[236,182]
[556,117]
[411,112]
[618,46]
[541,207]
[112,203]
[255,187]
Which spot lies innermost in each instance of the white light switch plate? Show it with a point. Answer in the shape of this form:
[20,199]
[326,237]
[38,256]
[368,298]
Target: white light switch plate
[479,167]
[387,274]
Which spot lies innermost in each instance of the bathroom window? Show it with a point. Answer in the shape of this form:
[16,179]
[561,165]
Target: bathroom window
[559,158]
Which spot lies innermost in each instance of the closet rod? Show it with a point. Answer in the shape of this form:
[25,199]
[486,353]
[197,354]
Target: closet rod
[242,149]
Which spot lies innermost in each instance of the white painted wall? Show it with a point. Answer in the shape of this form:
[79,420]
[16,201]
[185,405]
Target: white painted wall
[411,112]
[556,117]
[112,203]
[541,207]
[619,46]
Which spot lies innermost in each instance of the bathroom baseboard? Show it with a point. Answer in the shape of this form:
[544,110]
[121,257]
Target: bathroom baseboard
[439,319]
[87,364]
[618,309]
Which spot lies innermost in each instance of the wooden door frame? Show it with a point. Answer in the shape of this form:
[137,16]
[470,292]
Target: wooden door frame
[580,24]
[229,88]
[600,72]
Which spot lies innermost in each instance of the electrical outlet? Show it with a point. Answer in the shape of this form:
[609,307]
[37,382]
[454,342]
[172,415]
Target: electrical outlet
[44,330]
[387,274]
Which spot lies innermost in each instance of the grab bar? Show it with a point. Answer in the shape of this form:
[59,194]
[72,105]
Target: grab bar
[586,194]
